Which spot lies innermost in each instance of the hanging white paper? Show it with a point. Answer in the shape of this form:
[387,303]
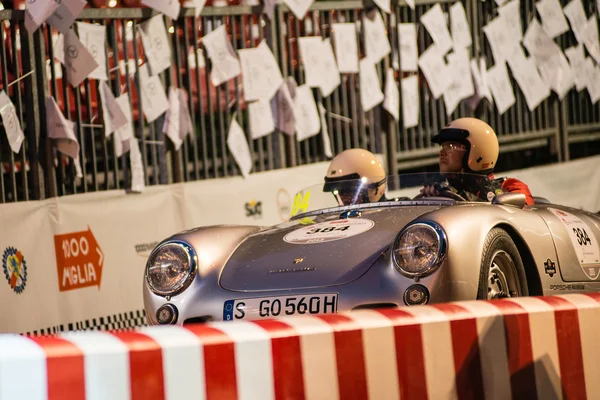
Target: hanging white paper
[407,39]
[411,4]
[307,116]
[459,26]
[577,18]
[384,5]
[137,166]
[63,132]
[198,6]
[325,132]
[331,75]
[410,101]
[154,99]
[286,121]
[111,111]
[433,66]
[556,72]
[12,125]
[370,88]
[186,126]
[156,44]
[77,60]
[452,95]
[478,71]
[171,125]
[65,14]
[260,73]
[392,95]
[346,47]
[538,43]
[501,87]
[590,38]
[460,59]
[576,58]
[511,13]
[376,40]
[170,8]
[124,133]
[435,23]
[311,55]
[500,38]
[593,81]
[553,19]
[37,12]
[225,64]
[238,146]
[529,80]
[298,7]
[93,38]
[261,118]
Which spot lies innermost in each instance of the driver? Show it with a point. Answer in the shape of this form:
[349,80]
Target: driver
[469,145]
[356,176]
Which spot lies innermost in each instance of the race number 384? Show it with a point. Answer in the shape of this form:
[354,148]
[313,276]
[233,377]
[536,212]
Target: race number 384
[582,237]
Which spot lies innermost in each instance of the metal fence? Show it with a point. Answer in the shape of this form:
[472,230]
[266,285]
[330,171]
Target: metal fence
[29,73]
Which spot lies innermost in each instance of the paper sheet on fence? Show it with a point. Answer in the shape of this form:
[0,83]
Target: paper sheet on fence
[482,90]
[238,146]
[433,66]
[111,111]
[435,23]
[553,19]
[154,99]
[346,47]
[37,12]
[10,120]
[93,38]
[185,117]
[576,57]
[376,40]
[407,39]
[307,116]
[370,87]
[168,7]
[556,73]
[501,87]
[511,13]
[538,43]
[591,39]
[77,60]
[171,124]
[260,72]
[124,133]
[261,118]
[137,167]
[391,103]
[459,26]
[225,64]
[299,7]
[331,74]
[65,14]
[410,101]
[501,39]
[384,5]
[310,53]
[286,121]
[576,15]
[325,132]
[593,78]
[461,87]
[63,132]
[529,80]
[156,44]
[198,6]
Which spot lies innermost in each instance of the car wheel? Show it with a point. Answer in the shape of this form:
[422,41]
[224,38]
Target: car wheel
[502,273]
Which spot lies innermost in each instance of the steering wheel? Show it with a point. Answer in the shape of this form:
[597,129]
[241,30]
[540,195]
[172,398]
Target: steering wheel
[444,191]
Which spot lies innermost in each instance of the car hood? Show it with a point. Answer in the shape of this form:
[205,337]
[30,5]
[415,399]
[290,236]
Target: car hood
[315,252]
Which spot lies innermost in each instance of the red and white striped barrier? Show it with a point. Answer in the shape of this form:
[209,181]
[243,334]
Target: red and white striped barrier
[545,347]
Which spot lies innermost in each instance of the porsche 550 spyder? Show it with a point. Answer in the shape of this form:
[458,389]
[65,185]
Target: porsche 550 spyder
[404,250]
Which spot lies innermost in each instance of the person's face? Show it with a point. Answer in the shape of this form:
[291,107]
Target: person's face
[451,156]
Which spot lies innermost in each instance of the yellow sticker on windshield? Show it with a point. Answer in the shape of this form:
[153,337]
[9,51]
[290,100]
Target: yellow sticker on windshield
[300,203]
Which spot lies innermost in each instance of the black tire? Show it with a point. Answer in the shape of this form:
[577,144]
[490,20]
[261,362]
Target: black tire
[502,262]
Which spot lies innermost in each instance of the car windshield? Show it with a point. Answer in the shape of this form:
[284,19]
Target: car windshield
[394,188]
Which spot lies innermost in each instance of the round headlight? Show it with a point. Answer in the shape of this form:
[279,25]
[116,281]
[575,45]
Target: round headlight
[171,268]
[419,249]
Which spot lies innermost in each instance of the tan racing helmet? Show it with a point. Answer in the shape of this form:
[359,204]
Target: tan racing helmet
[480,139]
[358,173]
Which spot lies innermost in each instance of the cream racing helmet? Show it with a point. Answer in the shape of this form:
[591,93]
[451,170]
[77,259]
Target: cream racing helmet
[355,176]
[480,139]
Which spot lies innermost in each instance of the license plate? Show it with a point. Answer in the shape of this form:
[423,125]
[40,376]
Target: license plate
[272,307]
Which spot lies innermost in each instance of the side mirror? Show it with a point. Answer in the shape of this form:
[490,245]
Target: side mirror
[511,199]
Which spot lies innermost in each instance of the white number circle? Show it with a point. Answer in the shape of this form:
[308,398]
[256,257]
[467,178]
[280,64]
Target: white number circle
[329,231]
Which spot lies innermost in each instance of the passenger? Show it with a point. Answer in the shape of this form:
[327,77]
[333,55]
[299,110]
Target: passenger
[470,146]
[356,176]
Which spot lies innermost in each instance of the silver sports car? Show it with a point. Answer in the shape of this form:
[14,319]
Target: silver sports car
[336,254]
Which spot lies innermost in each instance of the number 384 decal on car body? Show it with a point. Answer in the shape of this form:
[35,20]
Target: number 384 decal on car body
[270,307]
[329,231]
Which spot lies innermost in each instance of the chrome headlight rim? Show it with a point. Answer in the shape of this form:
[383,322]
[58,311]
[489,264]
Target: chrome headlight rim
[441,254]
[193,261]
